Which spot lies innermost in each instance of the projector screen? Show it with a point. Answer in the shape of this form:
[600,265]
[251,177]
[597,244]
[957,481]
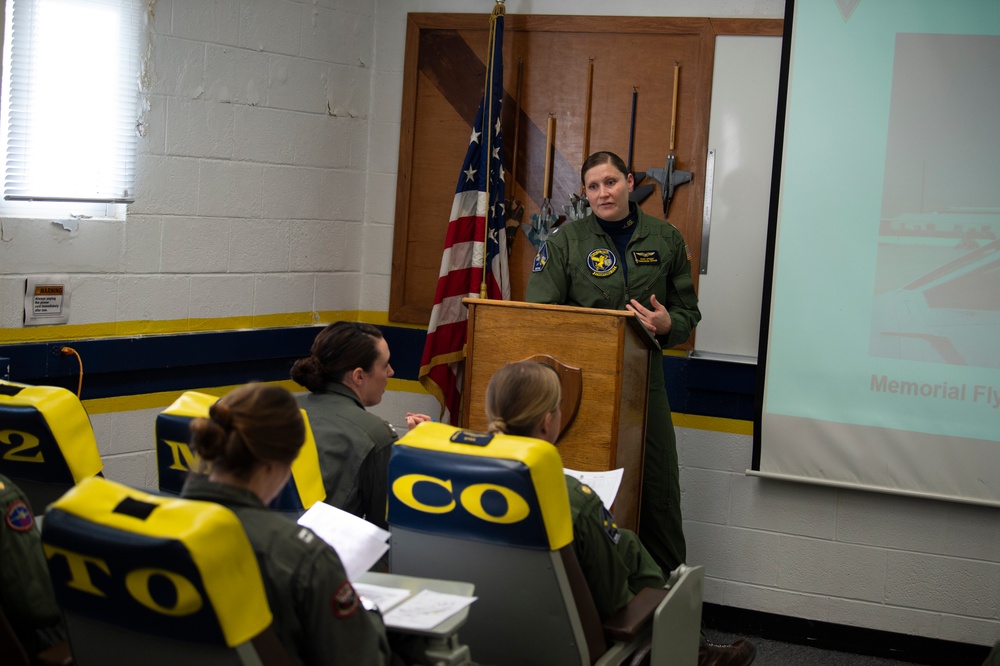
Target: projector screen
[880,332]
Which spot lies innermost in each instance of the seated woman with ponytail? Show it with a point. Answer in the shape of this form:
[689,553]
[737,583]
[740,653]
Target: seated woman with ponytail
[523,399]
[250,439]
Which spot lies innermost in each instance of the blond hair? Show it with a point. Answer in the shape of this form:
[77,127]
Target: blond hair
[519,396]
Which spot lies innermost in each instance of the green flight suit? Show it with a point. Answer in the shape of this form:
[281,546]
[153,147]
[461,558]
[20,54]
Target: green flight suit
[578,265]
[354,447]
[26,594]
[613,560]
[317,614]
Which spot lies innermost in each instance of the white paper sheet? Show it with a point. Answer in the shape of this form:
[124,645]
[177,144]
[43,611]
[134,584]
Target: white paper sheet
[425,610]
[386,598]
[605,484]
[359,543]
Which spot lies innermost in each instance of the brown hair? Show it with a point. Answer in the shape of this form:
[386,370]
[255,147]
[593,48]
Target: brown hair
[602,157]
[519,396]
[255,423]
[338,349]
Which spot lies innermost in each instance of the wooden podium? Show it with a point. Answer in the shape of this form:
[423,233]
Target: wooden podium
[612,350]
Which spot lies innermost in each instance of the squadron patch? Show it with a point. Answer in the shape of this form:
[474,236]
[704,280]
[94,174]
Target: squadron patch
[344,602]
[541,258]
[646,256]
[19,516]
[602,262]
[610,526]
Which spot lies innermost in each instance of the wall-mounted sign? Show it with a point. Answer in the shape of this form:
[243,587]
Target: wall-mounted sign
[46,300]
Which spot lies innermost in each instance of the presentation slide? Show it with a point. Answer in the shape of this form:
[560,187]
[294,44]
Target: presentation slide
[882,367]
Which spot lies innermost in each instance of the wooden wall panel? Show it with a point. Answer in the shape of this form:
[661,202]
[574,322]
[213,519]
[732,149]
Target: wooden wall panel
[443,83]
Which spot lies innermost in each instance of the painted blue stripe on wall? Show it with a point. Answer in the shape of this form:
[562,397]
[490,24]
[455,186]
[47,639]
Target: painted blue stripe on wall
[139,365]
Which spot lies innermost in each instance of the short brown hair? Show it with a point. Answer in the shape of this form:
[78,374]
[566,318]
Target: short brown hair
[602,157]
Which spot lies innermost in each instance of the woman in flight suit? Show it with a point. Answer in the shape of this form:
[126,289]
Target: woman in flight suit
[523,399]
[346,372]
[615,258]
[250,439]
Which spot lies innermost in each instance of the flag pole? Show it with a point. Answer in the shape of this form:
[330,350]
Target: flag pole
[498,10]
[470,268]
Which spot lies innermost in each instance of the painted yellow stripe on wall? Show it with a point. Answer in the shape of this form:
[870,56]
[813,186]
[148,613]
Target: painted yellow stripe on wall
[713,423]
[194,325]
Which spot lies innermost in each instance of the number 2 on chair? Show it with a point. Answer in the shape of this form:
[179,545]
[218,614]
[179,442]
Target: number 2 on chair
[19,452]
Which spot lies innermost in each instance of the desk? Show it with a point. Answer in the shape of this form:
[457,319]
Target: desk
[415,584]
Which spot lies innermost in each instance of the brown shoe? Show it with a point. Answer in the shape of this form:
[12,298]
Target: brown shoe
[740,653]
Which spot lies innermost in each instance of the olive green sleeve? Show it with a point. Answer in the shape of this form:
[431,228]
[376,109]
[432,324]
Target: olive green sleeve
[681,299]
[549,282]
[606,574]
[337,629]
[25,587]
[373,477]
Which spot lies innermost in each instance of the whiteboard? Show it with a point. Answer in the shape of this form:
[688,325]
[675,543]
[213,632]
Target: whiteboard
[741,134]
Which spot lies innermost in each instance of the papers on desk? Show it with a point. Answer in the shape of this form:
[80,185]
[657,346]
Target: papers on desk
[605,484]
[384,597]
[422,611]
[359,543]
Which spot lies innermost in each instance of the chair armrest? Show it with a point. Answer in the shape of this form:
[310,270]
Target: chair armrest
[56,655]
[626,624]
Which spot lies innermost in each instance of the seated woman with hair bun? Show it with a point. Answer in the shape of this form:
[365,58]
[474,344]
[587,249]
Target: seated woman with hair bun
[250,439]
[346,372]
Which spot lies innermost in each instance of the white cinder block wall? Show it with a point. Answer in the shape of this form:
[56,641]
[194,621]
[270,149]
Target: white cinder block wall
[252,175]
[893,563]
[267,183]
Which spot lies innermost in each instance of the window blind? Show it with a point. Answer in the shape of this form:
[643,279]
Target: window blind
[73,94]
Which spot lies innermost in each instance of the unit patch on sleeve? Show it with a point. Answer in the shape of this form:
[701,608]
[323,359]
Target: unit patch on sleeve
[646,257]
[541,258]
[610,526]
[344,602]
[19,516]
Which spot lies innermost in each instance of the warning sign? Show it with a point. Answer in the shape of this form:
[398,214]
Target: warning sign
[46,301]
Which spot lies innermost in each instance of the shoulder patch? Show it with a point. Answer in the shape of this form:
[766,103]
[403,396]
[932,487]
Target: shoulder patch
[19,516]
[306,535]
[541,258]
[610,526]
[344,602]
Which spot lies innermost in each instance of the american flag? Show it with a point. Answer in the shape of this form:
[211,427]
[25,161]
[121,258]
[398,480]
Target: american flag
[474,263]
